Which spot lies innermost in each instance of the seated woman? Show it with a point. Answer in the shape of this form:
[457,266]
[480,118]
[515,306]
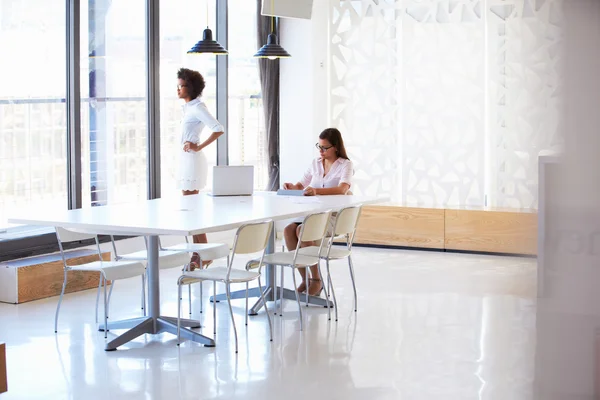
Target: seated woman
[329,174]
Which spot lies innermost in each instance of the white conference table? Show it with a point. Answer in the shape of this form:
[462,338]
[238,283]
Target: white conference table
[185,216]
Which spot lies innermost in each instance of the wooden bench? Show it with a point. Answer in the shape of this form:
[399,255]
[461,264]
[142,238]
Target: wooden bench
[40,277]
[493,230]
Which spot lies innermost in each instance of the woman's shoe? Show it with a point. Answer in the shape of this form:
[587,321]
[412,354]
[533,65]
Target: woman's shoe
[316,287]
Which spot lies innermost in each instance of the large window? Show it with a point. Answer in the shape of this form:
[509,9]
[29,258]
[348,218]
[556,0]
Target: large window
[32,109]
[247,137]
[113,108]
[182,23]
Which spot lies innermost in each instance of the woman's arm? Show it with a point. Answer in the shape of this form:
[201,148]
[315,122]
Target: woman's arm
[213,136]
[341,189]
[199,146]
[291,186]
[302,183]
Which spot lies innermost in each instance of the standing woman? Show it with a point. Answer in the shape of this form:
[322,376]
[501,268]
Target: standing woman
[193,167]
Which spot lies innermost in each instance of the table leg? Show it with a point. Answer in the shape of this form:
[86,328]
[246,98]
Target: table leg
[154,323]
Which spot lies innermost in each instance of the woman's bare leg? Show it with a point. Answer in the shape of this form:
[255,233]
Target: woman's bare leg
[293,232]
[316,284]
[201,238]
[290,235]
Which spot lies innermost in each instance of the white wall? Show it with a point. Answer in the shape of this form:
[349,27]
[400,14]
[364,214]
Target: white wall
[303,86]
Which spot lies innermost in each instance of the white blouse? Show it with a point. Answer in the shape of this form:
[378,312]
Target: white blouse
[195,117]
[340,172]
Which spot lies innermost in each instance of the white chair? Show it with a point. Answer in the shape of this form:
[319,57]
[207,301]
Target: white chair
[345,225]
[109,270]
[314,228]
[206,252]
[250,238]
[166,258]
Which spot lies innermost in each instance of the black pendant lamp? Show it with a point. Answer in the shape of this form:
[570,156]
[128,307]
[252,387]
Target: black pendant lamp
[207,44]
[272,50]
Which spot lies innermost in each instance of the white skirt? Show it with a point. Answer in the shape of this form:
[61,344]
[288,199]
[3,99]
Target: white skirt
[193,170]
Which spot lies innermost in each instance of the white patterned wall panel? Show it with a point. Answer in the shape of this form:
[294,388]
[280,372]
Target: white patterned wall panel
[446,102]
[443,106]
[363,80]
[524,63]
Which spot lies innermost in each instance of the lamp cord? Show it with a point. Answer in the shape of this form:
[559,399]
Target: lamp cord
[273,16]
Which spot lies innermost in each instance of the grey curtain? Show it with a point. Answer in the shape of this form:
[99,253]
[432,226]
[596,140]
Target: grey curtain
[269,82]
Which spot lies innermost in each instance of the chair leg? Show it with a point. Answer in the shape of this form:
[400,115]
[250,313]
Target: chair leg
[326,292]
[105,310]
[297,298]
[179,312]
[112,285]
[246,303]
[144,293]
[307,283]
[228,291]
[190,298]
[281,294]
[275,291]
[62,293]
[351,267]
[98,294]
[201,296]
[335,305]
[262,297]
[215,307]
[329,284]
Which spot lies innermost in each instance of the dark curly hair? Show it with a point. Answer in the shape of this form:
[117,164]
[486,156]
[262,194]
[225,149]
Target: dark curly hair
[334,136]
[194,81]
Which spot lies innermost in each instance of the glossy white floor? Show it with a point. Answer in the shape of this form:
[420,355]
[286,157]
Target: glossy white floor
[429,326]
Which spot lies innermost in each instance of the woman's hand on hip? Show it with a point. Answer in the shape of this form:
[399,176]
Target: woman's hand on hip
[189,146]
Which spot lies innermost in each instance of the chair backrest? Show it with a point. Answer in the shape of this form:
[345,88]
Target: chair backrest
[252,238]
[114,246]
[70,235]
[346,220]
[314,227]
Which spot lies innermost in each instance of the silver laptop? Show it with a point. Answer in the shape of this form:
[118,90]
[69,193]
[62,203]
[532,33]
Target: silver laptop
[233,180]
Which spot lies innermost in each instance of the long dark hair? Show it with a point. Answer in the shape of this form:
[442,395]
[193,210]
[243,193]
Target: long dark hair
[333,136]
[193,79]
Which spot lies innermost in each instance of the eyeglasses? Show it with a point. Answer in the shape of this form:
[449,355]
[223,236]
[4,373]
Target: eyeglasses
[322,148]
[179,87]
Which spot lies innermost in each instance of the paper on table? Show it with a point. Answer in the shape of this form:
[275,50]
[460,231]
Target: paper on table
[305,199]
